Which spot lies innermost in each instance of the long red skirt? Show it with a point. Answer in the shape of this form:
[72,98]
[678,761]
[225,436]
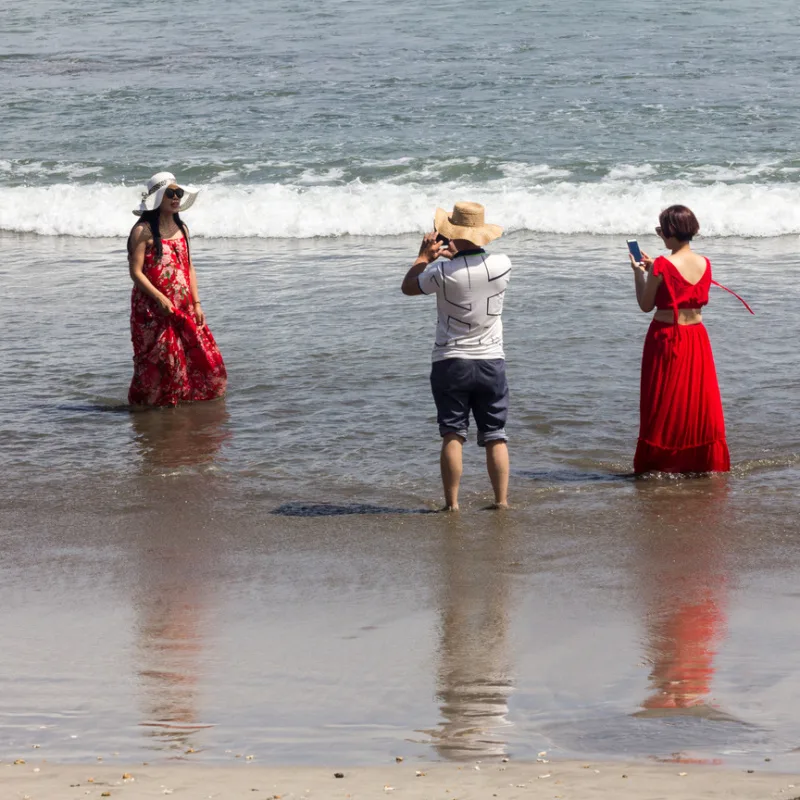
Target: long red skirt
[682,428]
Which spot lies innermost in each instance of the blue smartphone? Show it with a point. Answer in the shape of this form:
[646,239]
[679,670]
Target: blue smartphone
[633,247]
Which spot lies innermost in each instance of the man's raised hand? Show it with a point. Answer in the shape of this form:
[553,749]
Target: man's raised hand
[430,249]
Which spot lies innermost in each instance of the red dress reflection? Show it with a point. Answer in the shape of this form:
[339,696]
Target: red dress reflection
[685,643]
[683,572]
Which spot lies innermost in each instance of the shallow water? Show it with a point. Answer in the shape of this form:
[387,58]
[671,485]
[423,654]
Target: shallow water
[244,576]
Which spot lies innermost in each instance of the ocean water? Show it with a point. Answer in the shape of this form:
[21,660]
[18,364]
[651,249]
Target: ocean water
[262,575]
[351,117]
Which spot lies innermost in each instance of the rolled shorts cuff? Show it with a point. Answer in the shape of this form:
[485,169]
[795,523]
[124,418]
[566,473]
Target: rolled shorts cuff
[492,436]
[445,429]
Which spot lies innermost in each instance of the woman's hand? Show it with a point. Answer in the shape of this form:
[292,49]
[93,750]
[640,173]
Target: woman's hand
[635,265]
[646,263]
[430,249]
[199,316]
[164,305]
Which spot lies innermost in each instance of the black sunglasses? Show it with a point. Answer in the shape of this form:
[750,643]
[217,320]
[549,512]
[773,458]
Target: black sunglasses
[170,193]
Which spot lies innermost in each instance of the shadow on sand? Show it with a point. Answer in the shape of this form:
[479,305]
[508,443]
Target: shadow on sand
[573,475]
[337,510]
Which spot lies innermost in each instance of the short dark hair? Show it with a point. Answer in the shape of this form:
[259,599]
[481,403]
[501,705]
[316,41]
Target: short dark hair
[679,222]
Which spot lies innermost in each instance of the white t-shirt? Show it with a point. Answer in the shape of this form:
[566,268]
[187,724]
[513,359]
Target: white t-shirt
[469,300]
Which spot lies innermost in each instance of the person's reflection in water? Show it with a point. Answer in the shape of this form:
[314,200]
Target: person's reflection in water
[683,645]
[170,634]
[474,680]
[176,561]
[184,436]
[682,570]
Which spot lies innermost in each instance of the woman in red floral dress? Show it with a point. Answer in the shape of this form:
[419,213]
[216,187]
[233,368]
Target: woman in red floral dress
[175,357]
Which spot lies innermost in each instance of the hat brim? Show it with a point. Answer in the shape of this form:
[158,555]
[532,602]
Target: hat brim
[478,234]
[154,201]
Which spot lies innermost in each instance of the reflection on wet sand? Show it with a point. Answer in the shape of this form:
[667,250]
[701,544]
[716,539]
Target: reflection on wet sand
[474,679]
[170,644]
[172,598]
[185,436]
[683,574]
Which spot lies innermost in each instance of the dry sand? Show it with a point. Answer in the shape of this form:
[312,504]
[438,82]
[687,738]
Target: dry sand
[562,780]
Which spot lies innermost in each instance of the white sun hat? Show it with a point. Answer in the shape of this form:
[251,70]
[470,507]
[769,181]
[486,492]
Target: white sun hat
[156,186]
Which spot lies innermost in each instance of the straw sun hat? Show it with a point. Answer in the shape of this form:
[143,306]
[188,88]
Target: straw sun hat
[466,222]
[156,186]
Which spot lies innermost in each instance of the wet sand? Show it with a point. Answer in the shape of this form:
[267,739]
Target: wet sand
[262,575]
[559,781]
[146,624]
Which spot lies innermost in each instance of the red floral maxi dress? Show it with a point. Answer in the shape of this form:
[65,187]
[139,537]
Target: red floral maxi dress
[174,359]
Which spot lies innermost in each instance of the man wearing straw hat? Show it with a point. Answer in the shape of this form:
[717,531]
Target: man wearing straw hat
[469,368]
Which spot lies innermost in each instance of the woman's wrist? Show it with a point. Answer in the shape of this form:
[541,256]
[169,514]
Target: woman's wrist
[197,303]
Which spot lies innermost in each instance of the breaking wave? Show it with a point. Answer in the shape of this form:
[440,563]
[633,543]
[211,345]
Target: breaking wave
[526,198]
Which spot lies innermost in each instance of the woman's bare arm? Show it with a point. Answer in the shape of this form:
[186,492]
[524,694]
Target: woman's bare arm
[199,316]
[646,283]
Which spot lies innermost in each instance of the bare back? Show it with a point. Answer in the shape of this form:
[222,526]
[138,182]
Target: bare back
[691,267]
[689,264]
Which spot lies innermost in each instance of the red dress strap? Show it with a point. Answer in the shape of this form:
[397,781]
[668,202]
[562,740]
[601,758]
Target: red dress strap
[667,292]
[730,291]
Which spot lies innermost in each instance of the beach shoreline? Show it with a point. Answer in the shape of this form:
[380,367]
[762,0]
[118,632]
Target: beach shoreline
[241,598]
[562,779]
[188,567]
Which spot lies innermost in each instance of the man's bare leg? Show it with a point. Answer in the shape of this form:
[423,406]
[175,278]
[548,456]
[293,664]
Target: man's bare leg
[497,465]
[451,464]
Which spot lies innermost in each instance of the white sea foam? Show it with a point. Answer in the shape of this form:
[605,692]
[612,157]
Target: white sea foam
[729,174]
[40,169]
[388,208]
[630,171]
[527,172]
[312,177]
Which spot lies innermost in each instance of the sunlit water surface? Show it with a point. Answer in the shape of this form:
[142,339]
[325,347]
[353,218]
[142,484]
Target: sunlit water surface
[261,576]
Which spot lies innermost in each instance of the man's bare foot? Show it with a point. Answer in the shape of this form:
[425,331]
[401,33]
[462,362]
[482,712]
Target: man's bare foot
[496,507]
[450,508]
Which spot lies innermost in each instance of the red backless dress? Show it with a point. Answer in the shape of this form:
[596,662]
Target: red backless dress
[682,427]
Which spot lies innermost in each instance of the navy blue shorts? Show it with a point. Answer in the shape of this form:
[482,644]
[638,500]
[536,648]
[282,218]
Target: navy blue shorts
[461,385]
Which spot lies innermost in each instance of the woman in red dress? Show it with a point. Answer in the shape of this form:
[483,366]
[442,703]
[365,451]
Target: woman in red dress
[175,357]
[682,428]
